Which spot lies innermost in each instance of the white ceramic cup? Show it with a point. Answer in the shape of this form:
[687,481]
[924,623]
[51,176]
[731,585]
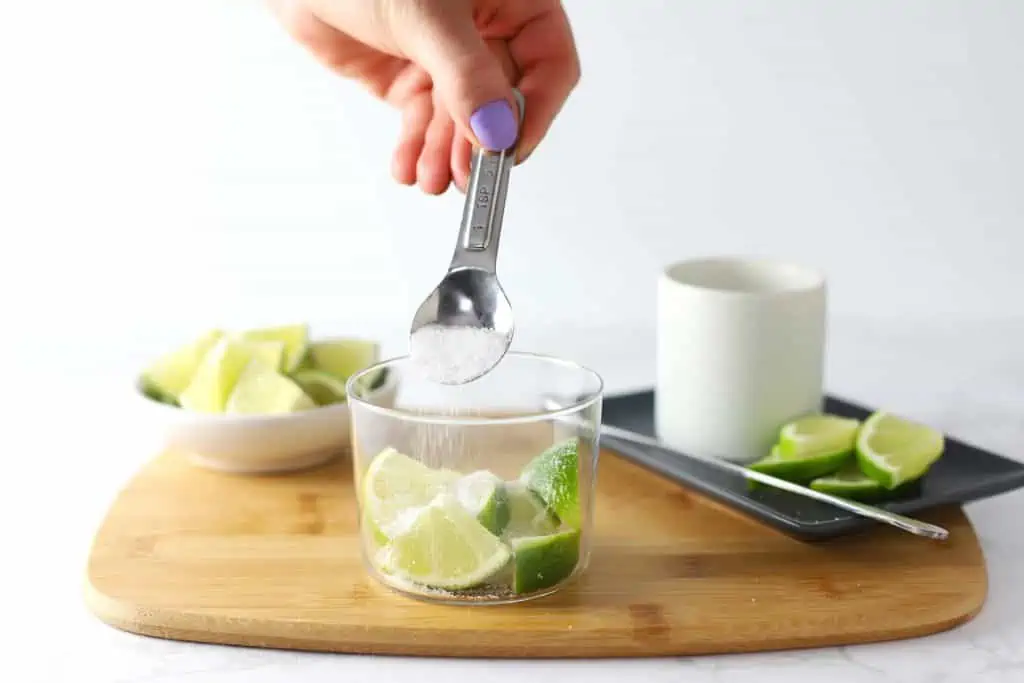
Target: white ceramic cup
[740,352]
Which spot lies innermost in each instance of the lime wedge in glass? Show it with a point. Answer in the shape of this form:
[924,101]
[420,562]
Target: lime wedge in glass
[262,390]
[894,451]
[171,373]
[544,561]
[528,514]
[482,494]
[395,487]
[445,547]
[817,434]
[799,470]
[554,476]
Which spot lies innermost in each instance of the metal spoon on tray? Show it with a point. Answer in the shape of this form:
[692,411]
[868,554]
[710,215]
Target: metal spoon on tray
[902,522]
[464,327]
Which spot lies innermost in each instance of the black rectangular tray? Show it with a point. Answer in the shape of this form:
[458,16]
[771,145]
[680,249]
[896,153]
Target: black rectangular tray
[964,473]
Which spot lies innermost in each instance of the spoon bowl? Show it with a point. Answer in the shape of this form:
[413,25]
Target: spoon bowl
[468,317]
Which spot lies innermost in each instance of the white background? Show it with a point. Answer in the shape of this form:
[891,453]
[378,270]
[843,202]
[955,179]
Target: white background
[169,166]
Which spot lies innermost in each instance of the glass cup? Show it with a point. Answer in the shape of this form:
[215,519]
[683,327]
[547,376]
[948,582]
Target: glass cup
[482,492]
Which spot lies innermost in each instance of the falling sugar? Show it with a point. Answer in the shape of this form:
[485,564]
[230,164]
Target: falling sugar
[456,355]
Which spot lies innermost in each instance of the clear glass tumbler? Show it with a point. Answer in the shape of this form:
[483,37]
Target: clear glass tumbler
[478,493]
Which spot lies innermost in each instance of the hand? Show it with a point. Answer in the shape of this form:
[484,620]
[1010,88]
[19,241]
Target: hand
[449,66]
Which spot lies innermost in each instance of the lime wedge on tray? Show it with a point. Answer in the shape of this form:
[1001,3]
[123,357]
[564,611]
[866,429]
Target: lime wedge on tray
[894,451]
[444,546]
[800,470]
[850,482]
[817,434]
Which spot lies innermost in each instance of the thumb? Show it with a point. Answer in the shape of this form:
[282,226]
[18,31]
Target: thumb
[440,37]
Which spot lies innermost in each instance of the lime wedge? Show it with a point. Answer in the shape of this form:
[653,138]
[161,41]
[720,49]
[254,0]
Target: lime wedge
[800,470]
[445,547]
[818,434]
[215,378]
[528,514]
[294,337]
[553,475]
[394,489]
[850,482]
[342,357]
[322,387]
[262,390]
[544,561]
[894,451]
[482,494]
[171,373]
[270,353]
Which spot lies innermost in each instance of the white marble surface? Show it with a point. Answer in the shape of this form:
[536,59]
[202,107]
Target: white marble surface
[70,457]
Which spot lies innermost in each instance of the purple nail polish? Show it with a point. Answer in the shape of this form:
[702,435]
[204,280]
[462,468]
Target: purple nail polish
[495,125]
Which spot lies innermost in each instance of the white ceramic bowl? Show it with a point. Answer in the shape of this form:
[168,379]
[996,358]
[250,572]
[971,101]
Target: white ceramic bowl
[257,444]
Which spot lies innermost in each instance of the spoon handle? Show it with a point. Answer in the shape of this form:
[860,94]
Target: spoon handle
[485,205]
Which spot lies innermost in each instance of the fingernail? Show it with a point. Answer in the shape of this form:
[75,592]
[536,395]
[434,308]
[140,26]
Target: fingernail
[495,125]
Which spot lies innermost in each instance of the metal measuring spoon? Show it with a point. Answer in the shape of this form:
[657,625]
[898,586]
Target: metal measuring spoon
[469,297]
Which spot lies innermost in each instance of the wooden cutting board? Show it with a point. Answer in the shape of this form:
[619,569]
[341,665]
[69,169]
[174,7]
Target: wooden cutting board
[194,555]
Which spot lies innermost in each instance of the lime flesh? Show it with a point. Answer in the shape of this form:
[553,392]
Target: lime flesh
[445,547]
[483,495]
[894,451]
[528,514]
[816,435]
[261,390]
[554,476]
[294,337]
[395,487]
[171,373]
[325,389]
[216,376]
[342,358]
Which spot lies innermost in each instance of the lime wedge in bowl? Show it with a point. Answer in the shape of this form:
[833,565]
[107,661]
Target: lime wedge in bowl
[170,374]
[894,451]
[261,390]
[325,389]
[342,357]
[294,337]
